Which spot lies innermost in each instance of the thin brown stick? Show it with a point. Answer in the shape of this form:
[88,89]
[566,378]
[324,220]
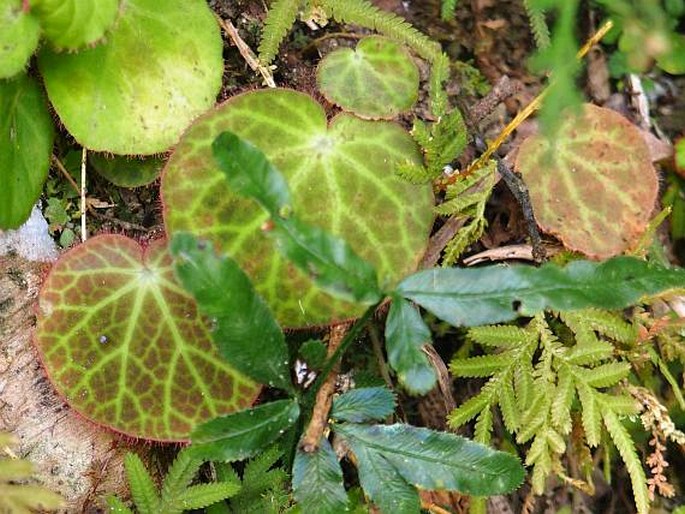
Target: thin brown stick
[63,171]
[324,397]
[248,55]
[84,230]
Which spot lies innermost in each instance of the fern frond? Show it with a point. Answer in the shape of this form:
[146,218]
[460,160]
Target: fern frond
[178,478]
[538,25]
[447,9]
[604,322]
[591,415]
[202,495]
[279,20]
[458,205]
[464,238]
[605,375]
[470,408]
[621,404]
[590,352]
[143,489]
[413,173]
[261,483]
[624,443]
[483,429]
[524,385]
[501,335]
[507,404]
[362,12]
[535,417]
[439,74]
[480,366]
[116,506]
[563,398]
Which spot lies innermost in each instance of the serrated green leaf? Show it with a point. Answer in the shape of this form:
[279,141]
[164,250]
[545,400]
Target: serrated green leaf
[328,260]
[26,135]
[19,34]
[143,489]
[249,173]
[178,477]
[70,24]
[589,352]
[116,506]
[243,434]
[507,403]
[405,334]
[483,429]
[160,67]
[438,460]
[591,415]
[376,80]
[605,375]
[501,335]
[126,345]
[318,481]
[202,495]
[245,331]
[493,294]
[382,483]
[620,404]
[364,404]
[469,409]
[563,397]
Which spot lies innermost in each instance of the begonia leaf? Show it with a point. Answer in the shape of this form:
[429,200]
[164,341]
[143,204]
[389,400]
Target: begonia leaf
[123,342]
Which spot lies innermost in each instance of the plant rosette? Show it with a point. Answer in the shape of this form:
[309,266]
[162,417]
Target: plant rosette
[341,177]
[123,343]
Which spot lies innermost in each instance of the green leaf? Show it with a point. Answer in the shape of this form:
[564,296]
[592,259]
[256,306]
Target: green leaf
[405,335]
[127,171]
[143,489]
[160,68]
[494,294]
[593,185]
[26,136]
[438,460]
[19,34]
[70,24]
[318,481]
[378,79]
[116,506]
[382,483]
[340,177]
[328,260]
[202,495]
[123,342]
[179,476]
[250,174]
[364,404]
[15,469]
[243,434]
[314,353]
[245,331]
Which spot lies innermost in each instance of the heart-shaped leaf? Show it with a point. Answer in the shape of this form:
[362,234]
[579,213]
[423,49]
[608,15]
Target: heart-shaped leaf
[160,67]
[70,24]
[376,80]
[125,345]
[340,178]
[595,187]
[26,135]
[19,33]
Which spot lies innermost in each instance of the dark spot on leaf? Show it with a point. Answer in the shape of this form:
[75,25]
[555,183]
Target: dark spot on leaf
[516,305]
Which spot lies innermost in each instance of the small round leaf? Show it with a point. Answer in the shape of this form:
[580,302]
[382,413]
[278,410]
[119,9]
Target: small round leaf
[376,80]
[26,134]
[125,171]
[341,179]
[595,188]
[71,24]
[123,342]
[19,33]
[160,67]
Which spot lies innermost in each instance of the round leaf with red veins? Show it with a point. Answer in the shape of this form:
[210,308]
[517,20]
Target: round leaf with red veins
[123,342]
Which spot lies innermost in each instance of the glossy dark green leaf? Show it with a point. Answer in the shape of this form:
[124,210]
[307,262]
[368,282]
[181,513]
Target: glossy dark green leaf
[245,433]
[249,172]
[328,260]
[493,294]
[437,460]
[364,404]
[381,481]
[405,334]
[318,481]
[245,331]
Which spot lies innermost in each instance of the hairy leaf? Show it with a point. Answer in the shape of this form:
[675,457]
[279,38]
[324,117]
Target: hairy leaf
[364,404]
[143,489]
[493,294]
[243,434]
[438,460]
[340,178]
[125,345]
[26,136]
[318,480]
[405,335]
[70,24]
[160,67]
[19,34]
[245,331]
[596,187]
[376,80]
